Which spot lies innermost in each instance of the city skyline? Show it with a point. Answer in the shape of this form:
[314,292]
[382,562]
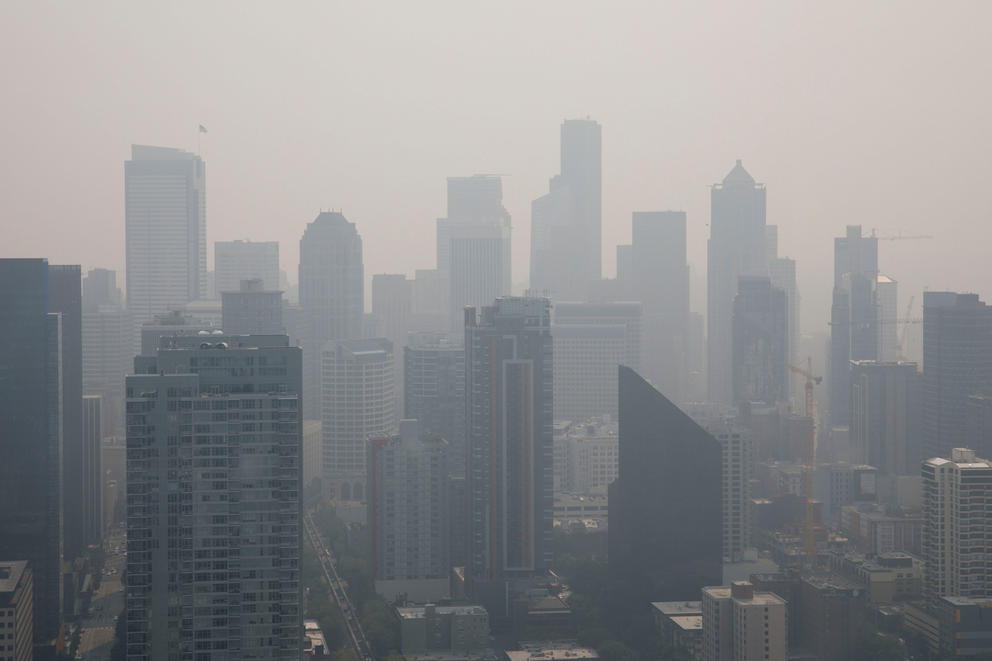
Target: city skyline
[873,147]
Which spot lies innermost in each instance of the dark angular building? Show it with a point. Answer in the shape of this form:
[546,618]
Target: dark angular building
[665,506]
[760,335]
[957,363]
[65,291]
[31,439]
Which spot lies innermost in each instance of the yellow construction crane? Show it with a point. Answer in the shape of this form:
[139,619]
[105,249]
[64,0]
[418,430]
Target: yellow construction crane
[811,380]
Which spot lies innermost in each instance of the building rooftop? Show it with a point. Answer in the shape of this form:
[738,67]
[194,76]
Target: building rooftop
[678,608]
[688,622]
[551,651]
[420,612]
[10,574]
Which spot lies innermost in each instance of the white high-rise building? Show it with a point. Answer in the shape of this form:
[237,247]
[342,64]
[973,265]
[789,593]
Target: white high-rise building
[235,261]
[165,207]
[473,244]
[358,400]
[740,624]
[957,532]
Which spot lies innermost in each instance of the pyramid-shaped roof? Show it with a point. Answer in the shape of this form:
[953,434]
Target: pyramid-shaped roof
[738,176]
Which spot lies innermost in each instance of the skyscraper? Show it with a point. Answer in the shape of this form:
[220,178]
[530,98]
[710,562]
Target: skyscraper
[885,416]
[235,261]
[661,283]
[91,469]
[434,393]
[31,419]
[853,315]
[737,246]
[108,346]
[957,362]
[165,206]
[566,223]
[473,244]
[332,295]
[665,506]
[782,272]
[65,294]
[508,385]
[760,332]
[214,479]
[590,340]
[957,532]
[252,310]
[358,400]
[408,511]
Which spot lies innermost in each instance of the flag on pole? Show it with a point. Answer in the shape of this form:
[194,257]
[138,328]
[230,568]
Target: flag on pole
[203,129]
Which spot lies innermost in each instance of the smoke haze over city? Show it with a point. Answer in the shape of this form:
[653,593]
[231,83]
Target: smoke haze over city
[850,112]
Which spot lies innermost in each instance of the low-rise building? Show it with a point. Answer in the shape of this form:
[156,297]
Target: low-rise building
[551,650]
[586,456]
[680,624]
[16,611]
[874,529]
[739,623]
[430,629]
[886,578]
[314,643]
[592,511]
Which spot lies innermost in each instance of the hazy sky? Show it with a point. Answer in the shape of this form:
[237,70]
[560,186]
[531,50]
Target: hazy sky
[878,113]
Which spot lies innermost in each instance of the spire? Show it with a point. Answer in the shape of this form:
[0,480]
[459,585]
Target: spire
[738,176]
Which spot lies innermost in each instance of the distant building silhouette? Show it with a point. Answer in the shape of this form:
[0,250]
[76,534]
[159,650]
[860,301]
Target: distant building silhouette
[665,506]
[590,340]
[108,346]
[358,400]
[760,332]
[566,223]
[434,392]
[332,295]
[165,207]
[661,283]
[473,244]
[737,246]
[235,261]
[509,372]
[31,457]
[853,316]
[214,502]
[886,417]
[408,514]
[957,363]
[252,310]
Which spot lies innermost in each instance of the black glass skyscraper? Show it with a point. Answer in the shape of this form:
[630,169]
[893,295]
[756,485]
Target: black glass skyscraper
[65,297]
[31,435]
[665,535]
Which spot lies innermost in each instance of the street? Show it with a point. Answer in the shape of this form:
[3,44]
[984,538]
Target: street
[108,603]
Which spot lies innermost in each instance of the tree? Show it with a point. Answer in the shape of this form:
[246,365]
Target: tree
[614,650]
